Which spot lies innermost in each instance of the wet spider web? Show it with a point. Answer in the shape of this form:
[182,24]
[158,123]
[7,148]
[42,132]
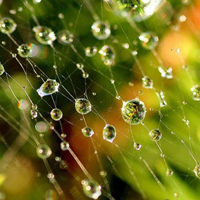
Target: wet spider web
[68,119]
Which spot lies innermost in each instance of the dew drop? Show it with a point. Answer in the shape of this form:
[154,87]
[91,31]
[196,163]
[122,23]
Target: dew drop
[90,51]
[83,106]
[49,87]
[147,82]
[87,131]
[34,113]
[2,70]
[161,99]
[169,172]
[44,35]
[7,25]
[91,189]
[137,146]
[165,72]
[25,50]
[196,93]
[107,55]
[133,111]
[196,171]
[65,37]
[64,146]
[101,30]
[109,133]
[103,173]
[43,151]
[85,74]
[176,194]
[79,66]
[155,134]
[148,40]
[56,114]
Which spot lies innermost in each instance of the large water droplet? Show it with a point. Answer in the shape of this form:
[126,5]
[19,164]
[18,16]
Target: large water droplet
[7,25]
[155,134]
[196,93]
[101,30]
[109,133]
[56,114]
[65,37]
[43,151]
[44,35]
[25,50]
[87,131]
[83,106]
[133,111]
[49,87]
[107,55]
[148,40]
[91,189]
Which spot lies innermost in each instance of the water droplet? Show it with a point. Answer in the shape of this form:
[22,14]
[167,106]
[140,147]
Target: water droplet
[87,131]
[49,87]
[118,97]
[65,37]
[176,194]
[133,111]
[196,93]
[186,121]
[83,106]
[43,151]
[7,25]
[162,155]
[36,1]
[91,189]
[109,133]
[161,99]
[137,146]
[63,135]
[2,70]
[155,134]
[148,40]
[80,66]
[63,164]
[101,30]
[85,74]
[165,72]
[56,114]
[112,81]
[107,55]
[169,172]
[90,51]
[41,126]
[196,171]
[103,173]
[64,146]
[25,50]
[184,102]
[125,45]
[147,82]
[34,113]
[44,35]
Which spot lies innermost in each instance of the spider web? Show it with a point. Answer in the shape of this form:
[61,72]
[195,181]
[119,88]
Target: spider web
[161,169]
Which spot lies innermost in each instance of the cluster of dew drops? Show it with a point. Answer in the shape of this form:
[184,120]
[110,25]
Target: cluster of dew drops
[133,111]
